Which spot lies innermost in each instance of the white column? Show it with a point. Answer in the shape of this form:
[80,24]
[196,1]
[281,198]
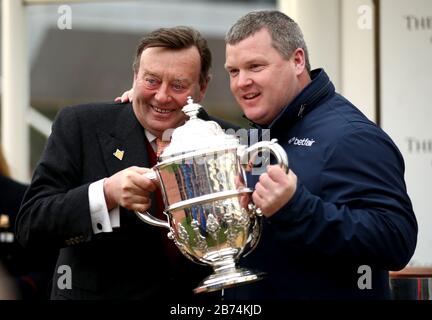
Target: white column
[358,55]
[320,21]
[340,38]
[15,89]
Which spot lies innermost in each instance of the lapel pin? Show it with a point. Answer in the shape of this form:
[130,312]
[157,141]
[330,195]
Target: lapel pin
[119,154]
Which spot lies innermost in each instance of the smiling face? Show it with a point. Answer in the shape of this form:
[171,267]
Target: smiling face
[261,80]
[164,80]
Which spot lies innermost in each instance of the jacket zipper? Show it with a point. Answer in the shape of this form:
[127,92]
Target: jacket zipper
[300,113]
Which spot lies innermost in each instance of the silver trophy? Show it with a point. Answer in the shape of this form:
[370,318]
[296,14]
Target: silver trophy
[211,217]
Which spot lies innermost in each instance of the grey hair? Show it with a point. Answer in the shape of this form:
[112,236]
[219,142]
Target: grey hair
[285,32]
[176,38]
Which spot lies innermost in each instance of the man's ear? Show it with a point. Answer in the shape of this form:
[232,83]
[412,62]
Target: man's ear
[203,87]
[135,76]
[299,60]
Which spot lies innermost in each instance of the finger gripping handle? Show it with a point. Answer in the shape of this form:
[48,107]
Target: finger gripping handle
[147,217]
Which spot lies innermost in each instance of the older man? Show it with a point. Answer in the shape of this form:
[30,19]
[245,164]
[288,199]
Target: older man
[89,181]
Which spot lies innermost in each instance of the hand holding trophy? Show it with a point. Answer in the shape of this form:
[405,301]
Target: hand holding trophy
[211,217]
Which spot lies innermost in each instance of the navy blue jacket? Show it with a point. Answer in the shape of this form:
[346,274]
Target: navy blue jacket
[350,209]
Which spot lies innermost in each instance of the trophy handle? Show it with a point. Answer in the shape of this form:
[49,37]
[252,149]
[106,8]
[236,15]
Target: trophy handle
[147,217]
[249,154]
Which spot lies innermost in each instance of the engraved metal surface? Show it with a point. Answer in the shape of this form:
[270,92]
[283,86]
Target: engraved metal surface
[211,217]
[211,233]
[203,175]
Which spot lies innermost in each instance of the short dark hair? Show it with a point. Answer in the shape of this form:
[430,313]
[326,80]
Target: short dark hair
[177,38]
[285,32]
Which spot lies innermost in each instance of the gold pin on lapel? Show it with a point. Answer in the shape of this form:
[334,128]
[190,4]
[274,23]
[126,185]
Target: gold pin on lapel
[119,154]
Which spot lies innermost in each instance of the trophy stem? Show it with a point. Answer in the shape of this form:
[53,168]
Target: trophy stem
[227,275]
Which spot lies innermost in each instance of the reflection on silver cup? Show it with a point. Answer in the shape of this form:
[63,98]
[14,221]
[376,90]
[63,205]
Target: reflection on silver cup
[217,232]
[211,217]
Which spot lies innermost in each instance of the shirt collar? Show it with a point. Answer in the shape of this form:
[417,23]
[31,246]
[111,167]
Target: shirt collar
[150,137]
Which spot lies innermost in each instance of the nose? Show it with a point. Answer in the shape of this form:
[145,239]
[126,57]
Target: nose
[162,96]
[244,79]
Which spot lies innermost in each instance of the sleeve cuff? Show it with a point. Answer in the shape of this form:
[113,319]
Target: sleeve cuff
[292,208]
[114,216]
[101,219]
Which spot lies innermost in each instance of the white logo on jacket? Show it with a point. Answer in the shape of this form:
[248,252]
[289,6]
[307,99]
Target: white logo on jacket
[304,142]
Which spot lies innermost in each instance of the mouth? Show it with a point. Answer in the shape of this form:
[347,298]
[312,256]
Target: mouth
[161,111]
[251,96]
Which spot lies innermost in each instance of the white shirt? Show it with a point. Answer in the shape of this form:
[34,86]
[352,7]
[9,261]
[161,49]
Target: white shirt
[102,220]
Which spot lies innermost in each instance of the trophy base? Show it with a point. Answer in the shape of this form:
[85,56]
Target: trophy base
[224,280]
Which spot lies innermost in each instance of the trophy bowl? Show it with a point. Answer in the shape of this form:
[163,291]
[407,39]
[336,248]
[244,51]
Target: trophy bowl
[211,216]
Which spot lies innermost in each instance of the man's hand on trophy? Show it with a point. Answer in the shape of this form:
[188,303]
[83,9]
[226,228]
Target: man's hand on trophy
[274,189]
[130,189]
[244,198]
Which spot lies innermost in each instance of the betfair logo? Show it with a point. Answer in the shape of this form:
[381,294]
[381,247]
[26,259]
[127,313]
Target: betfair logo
[304,142]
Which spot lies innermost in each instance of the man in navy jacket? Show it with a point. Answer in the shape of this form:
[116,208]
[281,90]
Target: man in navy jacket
[341,218]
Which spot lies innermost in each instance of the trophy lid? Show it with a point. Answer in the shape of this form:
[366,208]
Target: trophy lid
[196,134]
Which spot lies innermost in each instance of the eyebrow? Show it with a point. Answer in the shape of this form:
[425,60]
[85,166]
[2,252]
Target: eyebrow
[247,63]
[148,73]
[177,80]
[226,66]
[181,80]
